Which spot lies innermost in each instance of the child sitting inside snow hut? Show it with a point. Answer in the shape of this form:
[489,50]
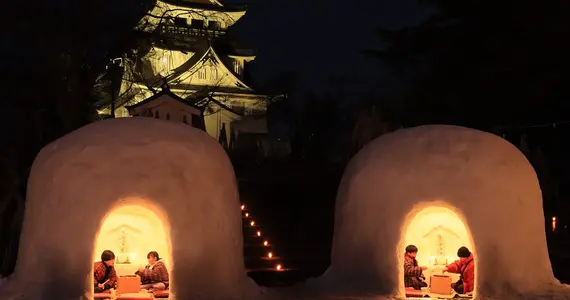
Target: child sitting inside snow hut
[413,273]
[104,275]
[465,267]
[155,275]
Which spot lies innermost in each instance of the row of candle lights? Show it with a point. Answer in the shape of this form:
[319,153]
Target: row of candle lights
[278,267]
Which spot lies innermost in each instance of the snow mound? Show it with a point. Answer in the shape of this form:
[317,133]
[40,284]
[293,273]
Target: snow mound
[177,171]
[485,180]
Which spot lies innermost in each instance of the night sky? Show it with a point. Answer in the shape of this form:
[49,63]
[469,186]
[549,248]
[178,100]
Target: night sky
[318,37]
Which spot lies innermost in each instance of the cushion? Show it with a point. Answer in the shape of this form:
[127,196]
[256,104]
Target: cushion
[134,296]
[410,292]
[161,293]
[103,295]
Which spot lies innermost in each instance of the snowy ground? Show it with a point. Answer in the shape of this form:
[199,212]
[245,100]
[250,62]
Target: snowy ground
[300,293]
[381,297]
[332,297]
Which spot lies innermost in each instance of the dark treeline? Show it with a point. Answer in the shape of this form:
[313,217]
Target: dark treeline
[494,66]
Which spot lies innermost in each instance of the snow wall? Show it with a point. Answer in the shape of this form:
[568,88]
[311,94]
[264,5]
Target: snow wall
[179,172]
[486,180]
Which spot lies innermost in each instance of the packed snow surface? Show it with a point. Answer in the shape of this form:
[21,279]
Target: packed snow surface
[179,172]
[185,178]
[484,179]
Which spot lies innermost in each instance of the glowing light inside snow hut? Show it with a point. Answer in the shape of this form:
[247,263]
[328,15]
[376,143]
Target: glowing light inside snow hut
[437,232]
[131,231]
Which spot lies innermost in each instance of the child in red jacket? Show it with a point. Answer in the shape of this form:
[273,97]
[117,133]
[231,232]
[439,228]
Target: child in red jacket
[465,267]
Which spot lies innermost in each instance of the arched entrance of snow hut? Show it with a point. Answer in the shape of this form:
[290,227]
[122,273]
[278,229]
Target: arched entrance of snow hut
[438,231]
[131,230]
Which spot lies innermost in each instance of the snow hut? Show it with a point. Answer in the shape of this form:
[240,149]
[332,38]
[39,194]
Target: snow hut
[132,185]
[440,187]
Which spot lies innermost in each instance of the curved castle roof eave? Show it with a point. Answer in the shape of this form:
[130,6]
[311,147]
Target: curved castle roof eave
[228,70]
[219,62]
[247,58]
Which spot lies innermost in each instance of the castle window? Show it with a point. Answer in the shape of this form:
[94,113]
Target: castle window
[237,67]
[180,21]
[157,115]
[201,74]
[213,73]
[184,119]
[195,23]
[167,116]
[213,25]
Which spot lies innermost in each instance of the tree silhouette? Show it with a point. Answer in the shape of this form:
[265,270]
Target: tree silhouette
[482,63]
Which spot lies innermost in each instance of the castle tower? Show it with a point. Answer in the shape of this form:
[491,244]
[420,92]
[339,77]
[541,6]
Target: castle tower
[189,53]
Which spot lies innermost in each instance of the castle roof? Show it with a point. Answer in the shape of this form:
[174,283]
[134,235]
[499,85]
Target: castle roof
[167,92]
[215,5]
[203,2]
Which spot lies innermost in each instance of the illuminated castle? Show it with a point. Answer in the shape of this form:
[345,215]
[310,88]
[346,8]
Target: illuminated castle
[190,65]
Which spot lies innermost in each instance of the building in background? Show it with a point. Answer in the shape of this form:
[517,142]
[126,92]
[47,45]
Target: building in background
[188,54]
[166,105]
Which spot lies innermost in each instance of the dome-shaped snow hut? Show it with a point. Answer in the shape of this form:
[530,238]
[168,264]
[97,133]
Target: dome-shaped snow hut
[440,187]
[132,185]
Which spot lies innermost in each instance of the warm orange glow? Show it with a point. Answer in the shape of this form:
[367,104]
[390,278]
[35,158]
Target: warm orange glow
[251,223]
[270,255]
[242,207]
[438,233]
[246,215]
[258,233]
[131,231]
[554,223]
[553,218]
[278,267]
[265,243]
